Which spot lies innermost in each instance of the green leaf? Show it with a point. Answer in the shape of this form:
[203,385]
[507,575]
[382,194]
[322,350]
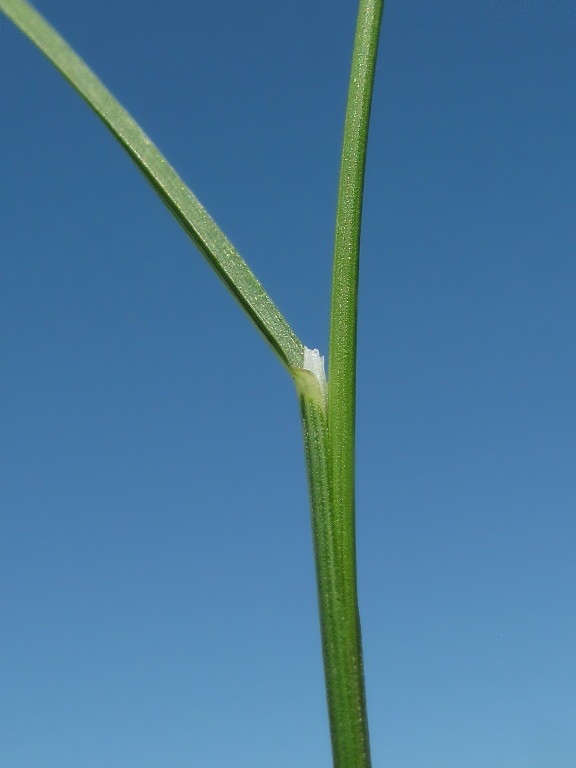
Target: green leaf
[173,192]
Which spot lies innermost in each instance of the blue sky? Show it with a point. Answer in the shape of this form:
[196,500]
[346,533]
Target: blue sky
[157,589]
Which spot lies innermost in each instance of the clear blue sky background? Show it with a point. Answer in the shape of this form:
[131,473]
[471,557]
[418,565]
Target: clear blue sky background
[158,603]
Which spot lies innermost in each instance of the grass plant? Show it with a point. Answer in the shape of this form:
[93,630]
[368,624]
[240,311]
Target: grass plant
[327,407]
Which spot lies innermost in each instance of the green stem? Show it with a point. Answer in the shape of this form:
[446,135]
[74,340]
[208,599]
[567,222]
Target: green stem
[343,316]
[173,192]
[342,388]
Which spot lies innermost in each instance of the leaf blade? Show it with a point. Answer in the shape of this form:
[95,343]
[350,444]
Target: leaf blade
[174,193]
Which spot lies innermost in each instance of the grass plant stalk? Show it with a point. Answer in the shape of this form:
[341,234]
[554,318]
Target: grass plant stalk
[349,722]
[327,411]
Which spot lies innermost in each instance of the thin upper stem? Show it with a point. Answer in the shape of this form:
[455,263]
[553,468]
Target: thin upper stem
[343,315]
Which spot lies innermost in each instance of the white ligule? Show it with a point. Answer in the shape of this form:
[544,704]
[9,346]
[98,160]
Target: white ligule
[314,362]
